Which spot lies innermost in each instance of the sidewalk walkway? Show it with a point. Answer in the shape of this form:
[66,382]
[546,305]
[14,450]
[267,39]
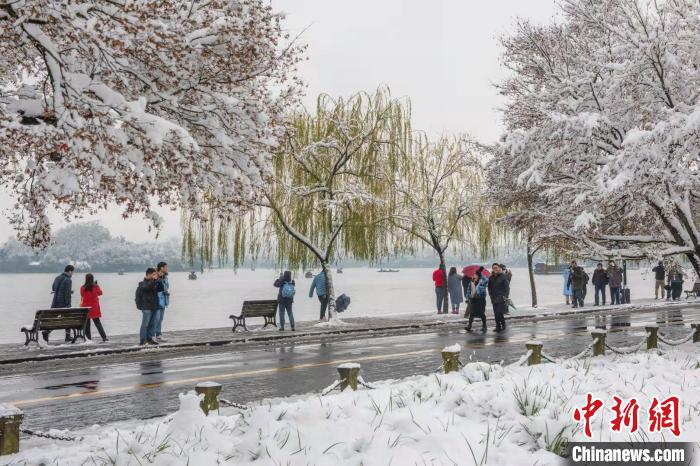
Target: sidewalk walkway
[11,353]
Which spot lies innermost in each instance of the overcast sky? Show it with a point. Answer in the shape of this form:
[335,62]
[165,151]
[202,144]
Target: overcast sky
[443,54]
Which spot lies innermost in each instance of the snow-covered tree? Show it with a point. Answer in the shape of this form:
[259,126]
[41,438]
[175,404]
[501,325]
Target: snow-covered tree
[438,195]
[603,116]
[328,197]
[138,102]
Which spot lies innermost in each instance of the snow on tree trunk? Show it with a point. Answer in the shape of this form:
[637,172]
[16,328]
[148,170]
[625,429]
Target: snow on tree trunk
[330,290]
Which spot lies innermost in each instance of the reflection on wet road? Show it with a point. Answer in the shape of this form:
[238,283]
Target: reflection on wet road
[76,394]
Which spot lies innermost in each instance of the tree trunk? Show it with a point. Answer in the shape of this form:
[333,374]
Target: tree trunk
[531,273]
[443,267]
[330,291]
[695,262]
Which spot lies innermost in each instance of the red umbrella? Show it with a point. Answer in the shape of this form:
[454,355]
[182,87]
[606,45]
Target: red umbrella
[470,270]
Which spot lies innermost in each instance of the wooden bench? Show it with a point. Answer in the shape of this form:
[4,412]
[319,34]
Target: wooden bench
[266,308]
[694,292]
[69,318]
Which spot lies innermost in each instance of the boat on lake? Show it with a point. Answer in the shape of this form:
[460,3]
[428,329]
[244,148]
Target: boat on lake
[309,274]
[121,272]
[339,270]
[388,270]
[192,276]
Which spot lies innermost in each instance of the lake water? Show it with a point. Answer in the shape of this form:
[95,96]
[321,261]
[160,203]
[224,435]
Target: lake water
[209,301]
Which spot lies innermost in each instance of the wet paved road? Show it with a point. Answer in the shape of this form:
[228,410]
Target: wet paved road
[77,393]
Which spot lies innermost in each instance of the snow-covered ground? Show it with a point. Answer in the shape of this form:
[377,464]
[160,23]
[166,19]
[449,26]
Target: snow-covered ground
[484,414]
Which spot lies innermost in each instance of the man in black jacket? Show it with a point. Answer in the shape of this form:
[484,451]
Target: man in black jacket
[62,290]
[600,280]
[660,277]
[148,303]
[499,290]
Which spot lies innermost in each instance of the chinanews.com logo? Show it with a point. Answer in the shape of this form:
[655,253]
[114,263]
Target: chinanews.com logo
[638,420]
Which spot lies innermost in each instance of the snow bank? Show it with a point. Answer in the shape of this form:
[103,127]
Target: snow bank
[456,348]
[9,410]
[484,414]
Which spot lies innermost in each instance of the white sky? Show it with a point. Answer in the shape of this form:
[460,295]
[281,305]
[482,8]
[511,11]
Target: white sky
[443,54]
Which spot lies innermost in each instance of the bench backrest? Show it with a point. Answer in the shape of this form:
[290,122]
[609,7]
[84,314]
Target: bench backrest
[62,318]
[696,287]
[260,308]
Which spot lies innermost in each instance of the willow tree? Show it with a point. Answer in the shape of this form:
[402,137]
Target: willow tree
[326,197]
[438,197]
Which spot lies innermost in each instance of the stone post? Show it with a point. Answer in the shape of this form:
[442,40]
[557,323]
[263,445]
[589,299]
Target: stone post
[450,358]
[652,336]
[211,391]
[599,347]
[10,422]
[536,355]
[696,332]
[349,373]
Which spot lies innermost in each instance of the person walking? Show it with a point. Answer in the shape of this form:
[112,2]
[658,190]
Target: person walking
[163,299]
[148,303]
[62,290]
[439,281]
[90,294]
[476,296]
[615,282]
[499,290]
[578,281]
[600,280]
[660,280]
[675,280]
[285,297]
[567,287]
[319,284]
[454,287]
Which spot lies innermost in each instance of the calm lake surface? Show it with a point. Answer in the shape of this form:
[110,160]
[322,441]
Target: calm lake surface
[208,301]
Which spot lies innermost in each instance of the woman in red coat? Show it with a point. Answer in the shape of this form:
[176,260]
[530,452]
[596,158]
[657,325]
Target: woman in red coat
[90,294]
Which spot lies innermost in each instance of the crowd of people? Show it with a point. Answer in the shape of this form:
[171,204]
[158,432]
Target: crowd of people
[668,283]
[472,286]
[152,299]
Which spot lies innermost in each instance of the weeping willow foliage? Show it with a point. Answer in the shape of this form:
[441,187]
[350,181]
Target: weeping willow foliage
[327,198]
[439,196]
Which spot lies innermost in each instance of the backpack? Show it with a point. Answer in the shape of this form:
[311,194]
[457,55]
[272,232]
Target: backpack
[139,298]
[288,290]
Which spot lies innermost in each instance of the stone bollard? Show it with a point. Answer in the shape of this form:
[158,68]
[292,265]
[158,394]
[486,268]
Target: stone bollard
[696,332]
[536,355]
[450,358]
[652,336]
[10,422]
[349,372]
[599,347]
[211,391]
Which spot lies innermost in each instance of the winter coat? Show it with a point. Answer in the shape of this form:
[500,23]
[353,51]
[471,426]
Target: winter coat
[62,290]
[578,279]
[499,288]
[439,278]
[164,296]
[481,289]
[614,276]
[147,295]
[287,277]
[91,299]
[319,284]
[675,276]
[567,287]
[600,277]
[454,287]
[659,272]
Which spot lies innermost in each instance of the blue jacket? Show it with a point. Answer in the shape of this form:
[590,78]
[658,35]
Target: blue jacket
[164,296]
[320,284]
[481,288]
